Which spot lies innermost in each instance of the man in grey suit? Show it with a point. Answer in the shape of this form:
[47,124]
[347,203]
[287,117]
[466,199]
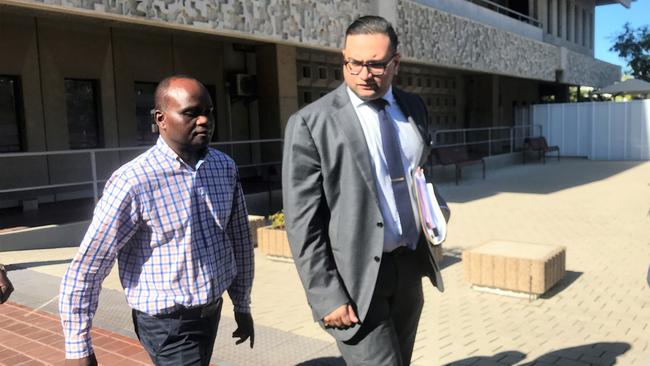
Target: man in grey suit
[350,214]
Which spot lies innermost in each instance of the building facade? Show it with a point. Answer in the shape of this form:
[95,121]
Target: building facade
[80,74]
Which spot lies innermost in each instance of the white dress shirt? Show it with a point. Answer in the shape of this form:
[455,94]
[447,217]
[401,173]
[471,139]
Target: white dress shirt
[409,139]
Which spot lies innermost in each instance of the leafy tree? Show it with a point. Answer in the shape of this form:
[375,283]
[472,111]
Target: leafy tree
[634,46]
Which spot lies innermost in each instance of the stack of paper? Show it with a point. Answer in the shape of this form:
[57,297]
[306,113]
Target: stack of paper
[433,221]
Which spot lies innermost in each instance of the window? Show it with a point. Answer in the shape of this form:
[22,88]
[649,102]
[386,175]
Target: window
[11,119]
[144,103]
[306,72]
[322,73]
[576,24]
[337,74]
[82,110]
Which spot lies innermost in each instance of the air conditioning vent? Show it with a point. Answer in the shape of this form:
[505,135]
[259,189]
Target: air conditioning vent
[243,85]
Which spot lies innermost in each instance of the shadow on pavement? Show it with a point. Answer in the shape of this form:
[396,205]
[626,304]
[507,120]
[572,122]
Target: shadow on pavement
[324,361]
[26,265]
[569,278]
[534,178]
[449,259]
[602,353]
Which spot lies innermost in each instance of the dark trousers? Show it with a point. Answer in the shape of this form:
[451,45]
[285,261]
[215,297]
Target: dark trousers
[387,335]
[185,337]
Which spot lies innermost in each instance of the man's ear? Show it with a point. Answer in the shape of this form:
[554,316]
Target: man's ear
[159,119]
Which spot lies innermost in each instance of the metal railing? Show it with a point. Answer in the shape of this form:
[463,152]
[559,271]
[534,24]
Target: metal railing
[488,140]
[92,155]
[508,12]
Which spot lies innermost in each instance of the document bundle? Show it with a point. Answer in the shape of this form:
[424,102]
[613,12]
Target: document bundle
[433,221]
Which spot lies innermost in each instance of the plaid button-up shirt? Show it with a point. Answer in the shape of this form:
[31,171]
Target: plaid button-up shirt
[180,235]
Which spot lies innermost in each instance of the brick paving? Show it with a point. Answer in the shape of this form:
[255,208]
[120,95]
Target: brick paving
[597,315]
[34,337]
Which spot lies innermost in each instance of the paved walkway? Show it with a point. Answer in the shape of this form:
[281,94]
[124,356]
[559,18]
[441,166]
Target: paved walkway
[33,337]
[598,315]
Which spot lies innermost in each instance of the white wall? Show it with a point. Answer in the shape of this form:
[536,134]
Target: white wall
[597,130]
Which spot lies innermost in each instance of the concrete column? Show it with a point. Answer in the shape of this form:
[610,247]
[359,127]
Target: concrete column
[553,17]
[388,10]
[578,19]
[495,109]
[569,21]
[276,90]
[590,27]
[541,12]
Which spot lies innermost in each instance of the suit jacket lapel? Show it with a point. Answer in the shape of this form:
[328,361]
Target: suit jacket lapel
[417,121]
[347,121]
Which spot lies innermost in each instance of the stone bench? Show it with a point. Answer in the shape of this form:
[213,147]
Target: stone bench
[523,268]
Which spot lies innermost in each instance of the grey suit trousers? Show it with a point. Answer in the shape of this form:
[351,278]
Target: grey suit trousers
[387,335]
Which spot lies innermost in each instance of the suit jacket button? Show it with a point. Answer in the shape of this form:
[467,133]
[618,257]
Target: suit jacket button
[380,224]
[377,259]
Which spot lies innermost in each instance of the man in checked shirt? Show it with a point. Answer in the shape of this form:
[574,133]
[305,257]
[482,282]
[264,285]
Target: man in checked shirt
[175,218]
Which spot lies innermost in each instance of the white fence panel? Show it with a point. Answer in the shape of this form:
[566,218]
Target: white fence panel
[597,130]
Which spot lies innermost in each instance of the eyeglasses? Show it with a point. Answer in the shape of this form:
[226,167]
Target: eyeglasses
[355,67]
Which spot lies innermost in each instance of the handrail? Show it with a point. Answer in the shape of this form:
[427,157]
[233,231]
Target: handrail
[92,153]
[513,137]
[118,149]
[508,12]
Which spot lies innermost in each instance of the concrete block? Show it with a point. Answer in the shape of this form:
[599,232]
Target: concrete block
[255,222]
[44,237]
[520,267]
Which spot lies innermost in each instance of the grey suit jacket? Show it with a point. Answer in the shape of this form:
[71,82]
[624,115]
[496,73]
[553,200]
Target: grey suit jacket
[331,204]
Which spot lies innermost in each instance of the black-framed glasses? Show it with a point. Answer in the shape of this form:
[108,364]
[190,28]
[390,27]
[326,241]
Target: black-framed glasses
[355,67]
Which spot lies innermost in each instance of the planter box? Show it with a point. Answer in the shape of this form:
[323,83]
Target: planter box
[519,267]
[274,243]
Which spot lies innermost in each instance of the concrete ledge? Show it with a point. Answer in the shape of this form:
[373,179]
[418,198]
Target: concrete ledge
[521,267]
[44,237]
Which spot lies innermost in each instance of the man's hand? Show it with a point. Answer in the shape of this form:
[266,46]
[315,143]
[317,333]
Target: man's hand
[6,288]
[86,361]
[244,329]
[342,317]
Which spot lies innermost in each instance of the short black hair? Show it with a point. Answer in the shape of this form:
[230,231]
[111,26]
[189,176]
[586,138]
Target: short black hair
[163,86]
[372,24]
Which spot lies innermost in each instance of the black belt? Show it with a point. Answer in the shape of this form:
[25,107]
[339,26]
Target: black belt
[195,312]
[400,251]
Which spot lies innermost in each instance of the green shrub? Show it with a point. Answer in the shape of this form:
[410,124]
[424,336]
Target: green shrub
[277,220]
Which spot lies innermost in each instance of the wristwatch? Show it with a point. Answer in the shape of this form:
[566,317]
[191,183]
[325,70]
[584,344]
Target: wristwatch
[3,268]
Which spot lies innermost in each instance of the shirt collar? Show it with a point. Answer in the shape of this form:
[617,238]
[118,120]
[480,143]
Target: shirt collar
[357,102]
[171,154]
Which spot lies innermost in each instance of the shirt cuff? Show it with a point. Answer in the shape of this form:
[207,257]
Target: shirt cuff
[242,309]
[78,348]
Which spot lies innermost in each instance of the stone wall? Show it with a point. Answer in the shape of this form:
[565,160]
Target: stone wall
[435,37]
[584,70]
[428,35]
[321,23]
